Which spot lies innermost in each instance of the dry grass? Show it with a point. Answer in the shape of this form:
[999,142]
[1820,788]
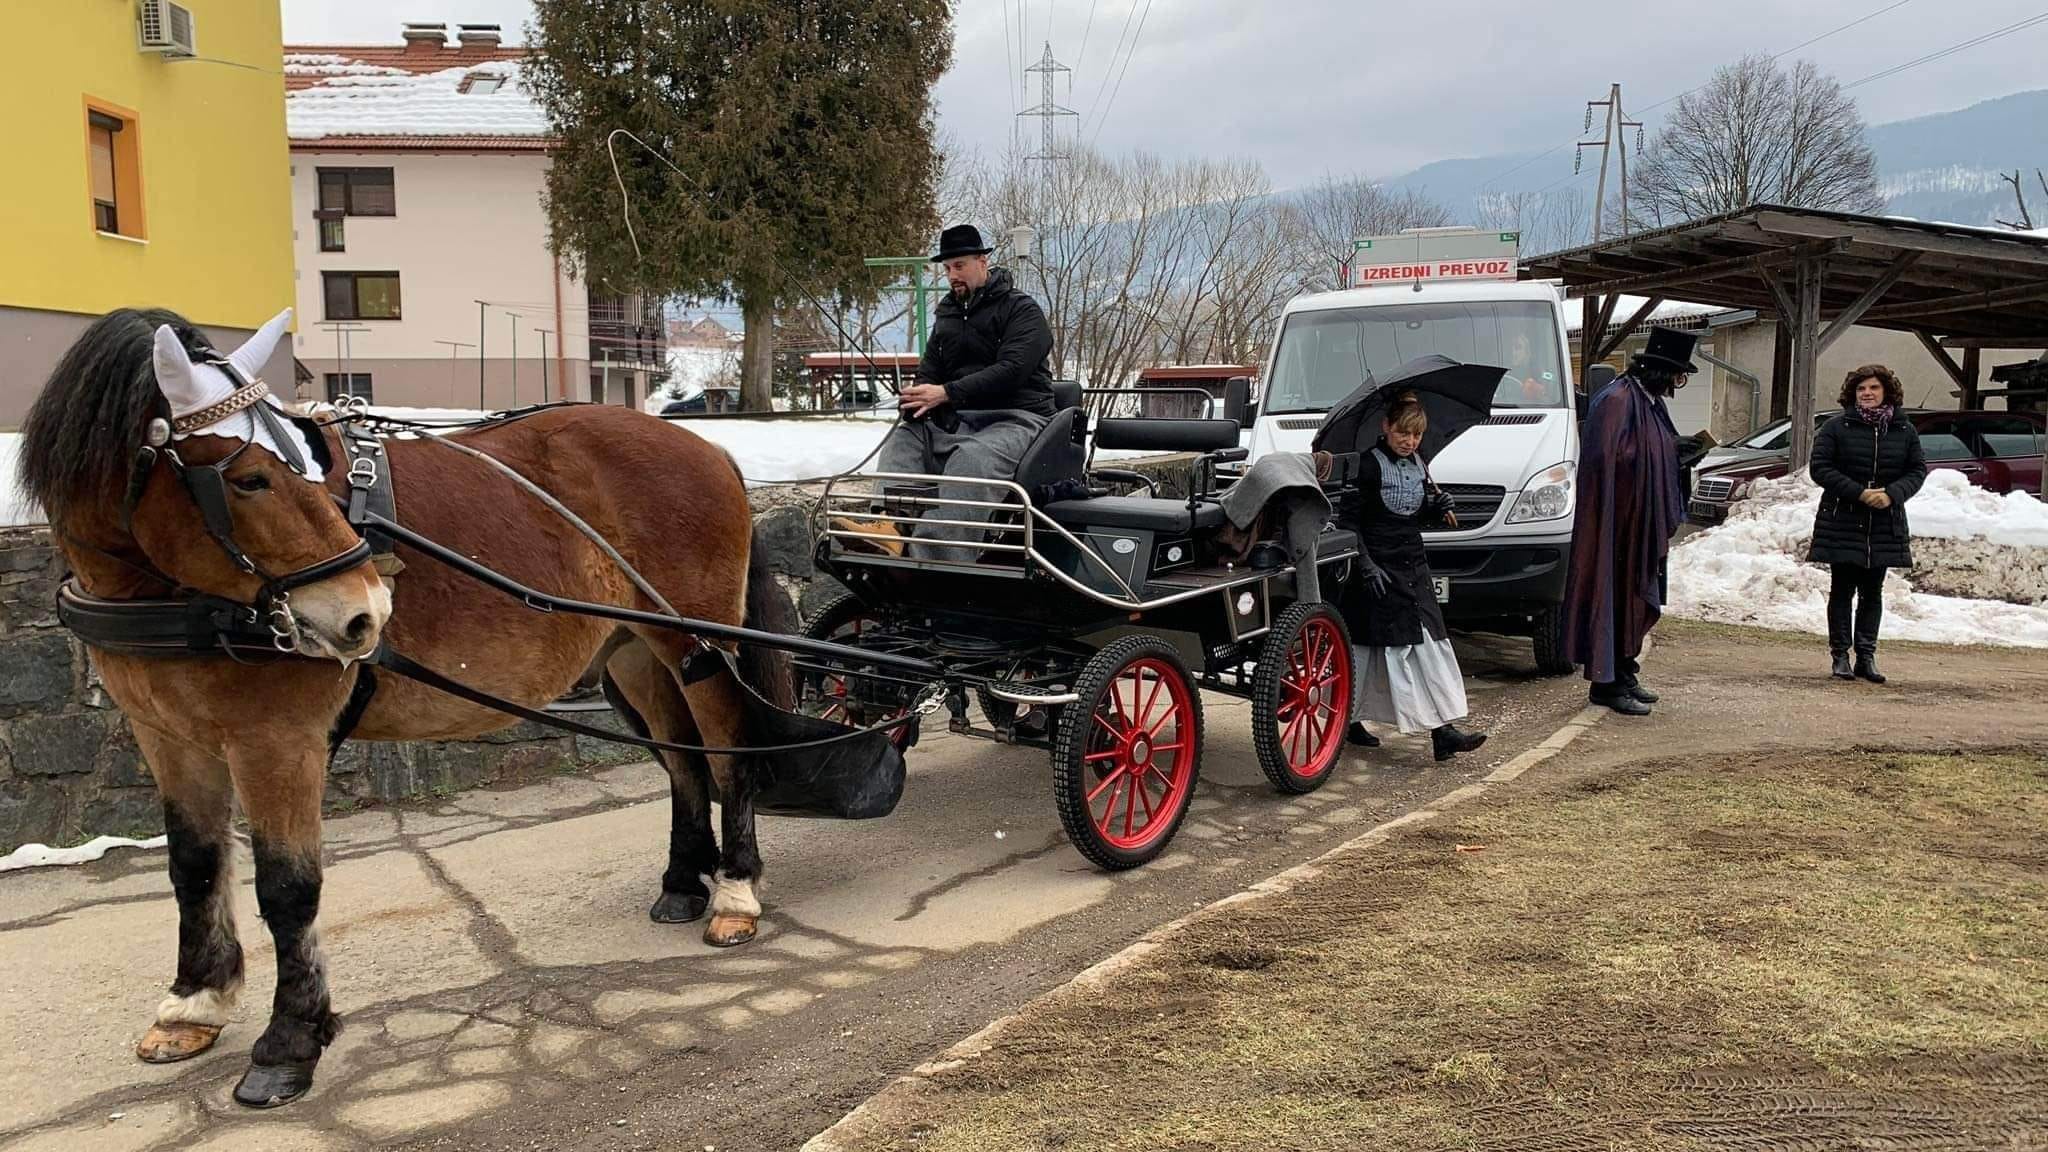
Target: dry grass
[1793,953]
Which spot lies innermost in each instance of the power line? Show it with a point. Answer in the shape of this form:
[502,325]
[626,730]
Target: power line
[1095,101]
[1951,50]
[1085,29]
[1896,4]
[1132,51]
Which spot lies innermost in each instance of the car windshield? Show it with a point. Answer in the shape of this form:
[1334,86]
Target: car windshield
[1771,435]
[1325,355]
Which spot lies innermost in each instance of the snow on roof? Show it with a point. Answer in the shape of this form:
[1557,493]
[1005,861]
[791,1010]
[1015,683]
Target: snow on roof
[337,95]
[1574,318]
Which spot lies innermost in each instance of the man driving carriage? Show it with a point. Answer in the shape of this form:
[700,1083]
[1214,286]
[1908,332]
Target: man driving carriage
[983,390]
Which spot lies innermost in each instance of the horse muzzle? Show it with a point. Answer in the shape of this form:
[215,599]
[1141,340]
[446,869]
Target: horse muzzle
[340,618]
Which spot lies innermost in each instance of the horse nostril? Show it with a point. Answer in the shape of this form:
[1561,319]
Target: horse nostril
[358,627]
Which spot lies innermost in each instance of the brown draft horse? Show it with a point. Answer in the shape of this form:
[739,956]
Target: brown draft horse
[213,729]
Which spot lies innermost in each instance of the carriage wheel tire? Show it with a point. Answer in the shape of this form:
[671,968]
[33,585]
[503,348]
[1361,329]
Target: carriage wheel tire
[1127,754]
[1301,697]
[1548,634]
[833,615]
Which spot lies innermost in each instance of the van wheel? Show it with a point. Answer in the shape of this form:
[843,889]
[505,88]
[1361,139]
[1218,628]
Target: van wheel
[1547,630]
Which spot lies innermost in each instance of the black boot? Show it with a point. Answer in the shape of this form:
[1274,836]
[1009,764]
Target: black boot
[1615,695]
[1866,667]
[1630,684]
[1360,735]
[1637,692]
[1841,669]
[1448,741]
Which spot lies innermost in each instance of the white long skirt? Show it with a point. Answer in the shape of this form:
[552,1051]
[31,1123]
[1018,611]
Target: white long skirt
[1416,686]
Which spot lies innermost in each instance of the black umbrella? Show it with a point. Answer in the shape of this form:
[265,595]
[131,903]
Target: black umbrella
[1455,397]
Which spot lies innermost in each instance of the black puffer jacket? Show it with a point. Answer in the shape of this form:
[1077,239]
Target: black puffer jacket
[1848,457]
[990,352]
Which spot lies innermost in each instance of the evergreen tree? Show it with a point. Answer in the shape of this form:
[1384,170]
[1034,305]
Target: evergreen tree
[803,129]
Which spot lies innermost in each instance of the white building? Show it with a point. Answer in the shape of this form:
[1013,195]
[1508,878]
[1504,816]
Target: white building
[424,274]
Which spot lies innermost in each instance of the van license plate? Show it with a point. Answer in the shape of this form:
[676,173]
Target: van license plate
[1442,584]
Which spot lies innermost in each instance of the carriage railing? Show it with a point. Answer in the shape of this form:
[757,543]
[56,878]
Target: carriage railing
[836,503]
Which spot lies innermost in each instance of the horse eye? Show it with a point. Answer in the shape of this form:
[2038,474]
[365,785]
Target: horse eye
[255,482]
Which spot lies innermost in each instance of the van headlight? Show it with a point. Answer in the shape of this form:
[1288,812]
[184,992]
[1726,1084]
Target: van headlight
[1547,497]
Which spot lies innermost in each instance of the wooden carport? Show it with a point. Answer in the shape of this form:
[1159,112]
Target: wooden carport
[1820,272]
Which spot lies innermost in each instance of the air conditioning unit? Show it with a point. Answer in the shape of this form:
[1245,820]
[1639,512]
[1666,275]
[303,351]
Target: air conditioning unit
[165,28]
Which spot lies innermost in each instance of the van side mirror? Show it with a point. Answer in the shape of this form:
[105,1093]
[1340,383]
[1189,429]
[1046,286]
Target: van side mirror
[1237,400]
[1597,377]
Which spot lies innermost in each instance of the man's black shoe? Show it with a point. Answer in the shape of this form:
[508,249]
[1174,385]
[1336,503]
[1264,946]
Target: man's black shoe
[1841,670]
[1360,735]
[1447,741]
[1866,668]
[1618,699]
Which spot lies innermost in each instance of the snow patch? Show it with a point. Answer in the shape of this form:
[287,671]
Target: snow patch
[44,856]
[355,99]
[1980,574]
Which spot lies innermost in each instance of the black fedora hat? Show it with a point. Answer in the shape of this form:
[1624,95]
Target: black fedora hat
[1671,349]
[960,240]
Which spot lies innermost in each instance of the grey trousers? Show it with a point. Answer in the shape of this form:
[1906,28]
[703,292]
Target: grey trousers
[985,445]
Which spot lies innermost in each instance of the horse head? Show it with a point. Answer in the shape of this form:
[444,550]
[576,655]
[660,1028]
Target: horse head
[155,456]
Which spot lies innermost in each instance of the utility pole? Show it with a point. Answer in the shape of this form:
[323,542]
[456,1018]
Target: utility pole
[543,364]
[481,405]
[1047,113]
[1613,130]
[344,349]
[454,351]
[918,290]
[514,317]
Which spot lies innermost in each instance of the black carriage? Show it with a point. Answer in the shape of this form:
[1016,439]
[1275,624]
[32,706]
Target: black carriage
[1088,626]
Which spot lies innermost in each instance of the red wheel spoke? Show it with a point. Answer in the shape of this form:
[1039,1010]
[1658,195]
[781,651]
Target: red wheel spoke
[1166,748]
[1114,734]
[1145,794]
[1116,698]
[1146,713]
[1112,778]
[1099,755]
[1109,810]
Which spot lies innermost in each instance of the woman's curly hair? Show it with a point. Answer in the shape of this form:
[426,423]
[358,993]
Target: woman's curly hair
[1894,392]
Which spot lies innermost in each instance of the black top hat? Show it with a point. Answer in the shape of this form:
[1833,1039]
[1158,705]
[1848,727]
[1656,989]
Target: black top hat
[1671,349]
[960,240]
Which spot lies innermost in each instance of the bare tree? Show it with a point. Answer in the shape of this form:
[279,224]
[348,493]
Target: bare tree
[1328,216]
[1548,221]
[2019,194]
[1757,133]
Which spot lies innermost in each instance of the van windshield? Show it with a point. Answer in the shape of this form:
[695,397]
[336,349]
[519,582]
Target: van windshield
[1325,355]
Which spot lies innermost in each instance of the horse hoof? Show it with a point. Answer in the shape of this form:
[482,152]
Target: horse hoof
[676,908]
[170,1043]
[273,1085]
[729,928]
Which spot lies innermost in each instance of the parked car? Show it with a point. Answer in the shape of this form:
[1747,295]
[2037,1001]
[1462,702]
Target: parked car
[1998,451]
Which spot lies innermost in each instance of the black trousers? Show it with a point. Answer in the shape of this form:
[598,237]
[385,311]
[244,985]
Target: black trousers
[1864,588]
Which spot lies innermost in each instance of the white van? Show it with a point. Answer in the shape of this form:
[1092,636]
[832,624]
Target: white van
[1503,568]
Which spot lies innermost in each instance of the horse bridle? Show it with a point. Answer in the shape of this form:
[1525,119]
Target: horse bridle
[207,485]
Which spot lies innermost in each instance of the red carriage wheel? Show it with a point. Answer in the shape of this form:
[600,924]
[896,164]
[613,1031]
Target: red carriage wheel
[1127,752]
[825,691]
[1301,697]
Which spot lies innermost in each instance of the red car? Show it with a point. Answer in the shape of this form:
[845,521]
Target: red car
[1998,451]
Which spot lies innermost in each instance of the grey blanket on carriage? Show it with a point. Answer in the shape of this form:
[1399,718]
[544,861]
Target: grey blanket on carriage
[1281,489]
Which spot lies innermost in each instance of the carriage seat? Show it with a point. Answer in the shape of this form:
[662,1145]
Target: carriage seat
[1149,514]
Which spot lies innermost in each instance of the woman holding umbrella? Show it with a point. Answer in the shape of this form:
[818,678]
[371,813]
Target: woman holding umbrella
[1407,673]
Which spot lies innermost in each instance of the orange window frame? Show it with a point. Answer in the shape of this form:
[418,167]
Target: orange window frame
[128,207]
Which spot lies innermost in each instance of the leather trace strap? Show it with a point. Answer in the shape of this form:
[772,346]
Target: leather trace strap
[400,665]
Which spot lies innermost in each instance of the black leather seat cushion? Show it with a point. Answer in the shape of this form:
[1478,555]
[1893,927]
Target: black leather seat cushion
[1167,517]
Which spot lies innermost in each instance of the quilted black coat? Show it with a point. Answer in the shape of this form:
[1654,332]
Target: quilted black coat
[991,350]
[1848,457]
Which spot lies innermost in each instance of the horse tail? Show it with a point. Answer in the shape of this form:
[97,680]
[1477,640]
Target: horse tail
[769,609]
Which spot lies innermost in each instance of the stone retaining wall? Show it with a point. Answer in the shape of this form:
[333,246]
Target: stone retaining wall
[69,769]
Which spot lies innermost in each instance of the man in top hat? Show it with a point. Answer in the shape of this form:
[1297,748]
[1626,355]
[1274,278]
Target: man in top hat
[1630,503]
[983,389]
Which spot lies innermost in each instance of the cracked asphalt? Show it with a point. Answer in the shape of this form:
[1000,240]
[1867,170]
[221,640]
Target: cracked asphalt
[502,987]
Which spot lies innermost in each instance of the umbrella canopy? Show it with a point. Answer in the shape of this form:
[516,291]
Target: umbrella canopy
[1455,396]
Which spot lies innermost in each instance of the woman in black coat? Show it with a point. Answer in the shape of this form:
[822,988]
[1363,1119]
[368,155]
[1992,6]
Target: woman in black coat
[1407,674]
[1868,463]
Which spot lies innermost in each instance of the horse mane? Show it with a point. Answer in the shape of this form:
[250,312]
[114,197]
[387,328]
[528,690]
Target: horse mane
[83,430]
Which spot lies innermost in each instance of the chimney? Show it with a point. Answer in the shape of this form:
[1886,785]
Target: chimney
[425,39]
[480,35]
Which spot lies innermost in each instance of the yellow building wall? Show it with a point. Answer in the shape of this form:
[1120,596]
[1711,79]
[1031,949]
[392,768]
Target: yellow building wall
[215,165]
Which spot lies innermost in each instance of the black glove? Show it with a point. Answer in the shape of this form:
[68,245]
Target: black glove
[1373,577]
[1439,508]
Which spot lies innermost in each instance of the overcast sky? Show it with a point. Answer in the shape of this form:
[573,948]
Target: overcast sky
[1375,86]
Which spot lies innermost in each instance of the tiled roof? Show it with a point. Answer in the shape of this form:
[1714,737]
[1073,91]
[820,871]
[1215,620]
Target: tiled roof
[398,97]
[418,143]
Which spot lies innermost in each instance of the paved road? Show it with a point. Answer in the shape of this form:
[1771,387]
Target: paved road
[503,987]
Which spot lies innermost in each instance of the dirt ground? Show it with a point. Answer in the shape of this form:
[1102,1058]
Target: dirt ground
[1781,913]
